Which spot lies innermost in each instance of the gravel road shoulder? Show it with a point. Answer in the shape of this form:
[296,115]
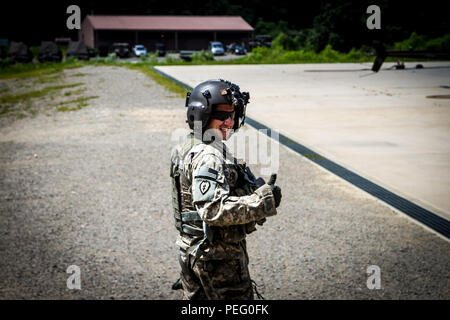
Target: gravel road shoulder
[91,188]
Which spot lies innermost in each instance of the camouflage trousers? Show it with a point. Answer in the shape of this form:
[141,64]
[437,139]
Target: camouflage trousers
[215,279]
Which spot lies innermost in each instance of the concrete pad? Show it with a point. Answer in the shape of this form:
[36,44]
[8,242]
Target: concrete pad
[381,126]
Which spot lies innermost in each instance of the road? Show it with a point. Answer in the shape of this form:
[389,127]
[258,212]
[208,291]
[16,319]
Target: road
[91,188]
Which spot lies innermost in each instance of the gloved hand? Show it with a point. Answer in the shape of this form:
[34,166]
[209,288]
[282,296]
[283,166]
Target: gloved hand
[261,222]
[276,190]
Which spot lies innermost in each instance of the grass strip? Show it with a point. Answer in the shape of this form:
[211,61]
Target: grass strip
[79,100]
[21,71]
[178,90]
[14,98]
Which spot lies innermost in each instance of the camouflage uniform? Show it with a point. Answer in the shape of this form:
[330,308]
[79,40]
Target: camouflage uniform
[218,204]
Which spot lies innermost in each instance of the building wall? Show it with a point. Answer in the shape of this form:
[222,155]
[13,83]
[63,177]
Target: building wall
[150,38]
[181,40]
[86,33]
[173,40]
[194,40]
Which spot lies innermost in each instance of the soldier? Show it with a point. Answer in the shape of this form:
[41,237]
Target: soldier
[217,200]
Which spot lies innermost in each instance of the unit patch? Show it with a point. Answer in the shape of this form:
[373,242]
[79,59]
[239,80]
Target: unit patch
[205,182]
[204,186]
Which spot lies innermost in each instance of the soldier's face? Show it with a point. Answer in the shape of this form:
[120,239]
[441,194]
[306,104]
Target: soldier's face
[223,126]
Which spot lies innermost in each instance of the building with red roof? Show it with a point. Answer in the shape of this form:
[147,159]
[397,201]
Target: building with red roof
[175,32]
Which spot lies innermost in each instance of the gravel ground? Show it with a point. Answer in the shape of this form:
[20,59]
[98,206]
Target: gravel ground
[91,188]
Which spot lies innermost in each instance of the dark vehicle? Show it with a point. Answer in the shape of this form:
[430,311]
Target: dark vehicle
[19,52]
[160,49]
[122,50]
[236,49]
[186,55]
[265,40]
[49,51]
[262,40]
[77,49]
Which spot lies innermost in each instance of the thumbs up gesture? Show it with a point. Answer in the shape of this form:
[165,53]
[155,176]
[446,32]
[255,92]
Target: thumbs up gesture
[276,190]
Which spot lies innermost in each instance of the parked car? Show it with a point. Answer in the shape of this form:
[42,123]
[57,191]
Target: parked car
[160,49]
[49,51]
[186,55]
[122,49]
[139,50]
[19,52]
[216,48]
[77,49]
[261,41]
[236,49]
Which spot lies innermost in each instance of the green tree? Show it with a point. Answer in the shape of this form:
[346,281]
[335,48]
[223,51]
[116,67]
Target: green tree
[285,42]
[271,28]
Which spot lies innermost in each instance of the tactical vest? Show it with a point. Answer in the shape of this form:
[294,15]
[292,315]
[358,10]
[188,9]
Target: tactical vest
[187,220]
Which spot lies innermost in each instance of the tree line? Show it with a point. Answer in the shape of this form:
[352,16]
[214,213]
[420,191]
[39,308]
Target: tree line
[318,23]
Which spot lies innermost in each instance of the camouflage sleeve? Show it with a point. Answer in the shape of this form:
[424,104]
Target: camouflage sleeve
[211,196]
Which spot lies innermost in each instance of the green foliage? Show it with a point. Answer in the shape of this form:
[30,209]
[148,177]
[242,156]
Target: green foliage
[80,103]
[14,98]
[95,50]
[335,40]
[356,55]
[421,42]
[271,28]
[163,81]
[19,70]
[329,54]
[202,56]
[111,57]
[442,43]
[71,59]
[318,38]
[285,42]
[414,42]
[263,54]
[276,54]
[63,50]
[338,25]
[151,58]
[170,59]
[5,63]
[263,27]
[34,51]
[303,39]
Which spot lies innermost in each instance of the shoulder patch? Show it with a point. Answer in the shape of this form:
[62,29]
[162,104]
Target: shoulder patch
[205,182]
[204,189]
